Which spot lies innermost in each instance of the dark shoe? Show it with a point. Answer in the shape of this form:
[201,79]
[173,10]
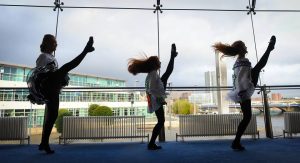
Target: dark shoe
[153,147]
[271,43]
[237,147]
[273,40]
[46,148]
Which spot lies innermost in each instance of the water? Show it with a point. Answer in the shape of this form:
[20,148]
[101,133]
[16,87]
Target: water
[276,120]
[171,129]
[277,125]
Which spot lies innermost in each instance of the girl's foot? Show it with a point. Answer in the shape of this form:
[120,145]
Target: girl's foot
[46,148]
[237,147]
[153,147]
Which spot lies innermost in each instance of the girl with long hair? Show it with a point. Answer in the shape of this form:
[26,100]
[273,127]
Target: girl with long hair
[245,80]
[155,88]
[46,82]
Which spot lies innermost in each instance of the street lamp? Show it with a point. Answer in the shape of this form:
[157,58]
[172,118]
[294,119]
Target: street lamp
[135,110]
[194,100]
[131,97]
[170,106]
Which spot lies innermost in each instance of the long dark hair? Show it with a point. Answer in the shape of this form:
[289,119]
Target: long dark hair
[237,48]
[146,65]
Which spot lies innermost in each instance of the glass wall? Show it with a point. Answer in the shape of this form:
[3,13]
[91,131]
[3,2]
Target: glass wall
[122,33]
[13,73]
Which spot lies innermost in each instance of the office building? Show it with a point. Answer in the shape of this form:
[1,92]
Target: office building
[13,95]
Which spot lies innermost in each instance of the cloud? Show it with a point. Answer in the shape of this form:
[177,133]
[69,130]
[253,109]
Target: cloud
[123,34]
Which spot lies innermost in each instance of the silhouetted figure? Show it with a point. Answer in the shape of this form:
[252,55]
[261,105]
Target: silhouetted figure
[245,79]
[47,80]
[155,88]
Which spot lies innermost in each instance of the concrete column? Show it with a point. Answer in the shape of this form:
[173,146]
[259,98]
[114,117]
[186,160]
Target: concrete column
[221,77]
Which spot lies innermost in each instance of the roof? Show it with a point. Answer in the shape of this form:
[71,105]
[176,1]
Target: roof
[73,73]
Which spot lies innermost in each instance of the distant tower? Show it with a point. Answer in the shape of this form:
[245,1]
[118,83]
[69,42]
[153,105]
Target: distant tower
[221,77]
[210,81]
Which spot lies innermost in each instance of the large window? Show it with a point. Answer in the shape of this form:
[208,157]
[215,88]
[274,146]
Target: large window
[124,29]
[130,29]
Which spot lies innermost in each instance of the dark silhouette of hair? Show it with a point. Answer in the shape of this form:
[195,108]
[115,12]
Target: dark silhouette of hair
[237,48]
[45,43]
[146,65]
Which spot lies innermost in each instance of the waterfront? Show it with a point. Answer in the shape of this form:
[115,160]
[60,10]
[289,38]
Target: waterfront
[277,125]
[194,149]
[171,128]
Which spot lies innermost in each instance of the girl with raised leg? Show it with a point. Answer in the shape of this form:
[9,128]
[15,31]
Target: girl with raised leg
[155,88]
[245,80]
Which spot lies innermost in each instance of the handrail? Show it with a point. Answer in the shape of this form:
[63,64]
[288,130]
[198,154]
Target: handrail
[180,88]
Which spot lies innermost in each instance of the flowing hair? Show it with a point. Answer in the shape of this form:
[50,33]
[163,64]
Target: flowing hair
[230,50]
[145,65]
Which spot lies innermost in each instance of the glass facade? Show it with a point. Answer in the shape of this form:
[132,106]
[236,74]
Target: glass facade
[68,96]
[87,81]
[10,73]
[17,74]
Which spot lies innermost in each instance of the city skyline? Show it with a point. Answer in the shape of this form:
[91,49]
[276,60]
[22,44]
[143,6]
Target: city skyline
[123,34]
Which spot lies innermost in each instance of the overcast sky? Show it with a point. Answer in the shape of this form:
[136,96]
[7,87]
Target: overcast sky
[123,34]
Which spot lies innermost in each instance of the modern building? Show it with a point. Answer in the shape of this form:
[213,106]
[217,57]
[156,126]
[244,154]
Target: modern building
[211,81]
[276,96]
[201,98]
[221,78]
[13,95]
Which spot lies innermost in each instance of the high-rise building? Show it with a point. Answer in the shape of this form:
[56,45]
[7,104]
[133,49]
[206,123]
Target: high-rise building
[210,81]
[221,77]
[276,96]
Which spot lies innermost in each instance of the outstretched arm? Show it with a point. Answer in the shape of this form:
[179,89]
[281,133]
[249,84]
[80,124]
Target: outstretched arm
[170,67]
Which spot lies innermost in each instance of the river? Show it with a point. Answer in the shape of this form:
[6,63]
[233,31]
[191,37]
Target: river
[277,125]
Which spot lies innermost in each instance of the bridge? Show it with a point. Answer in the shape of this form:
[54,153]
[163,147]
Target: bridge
[283,107]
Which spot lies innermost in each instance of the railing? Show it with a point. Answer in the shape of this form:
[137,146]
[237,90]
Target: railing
[291,123]
[214,125]
[103,127]
[124,107]
[14,128]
